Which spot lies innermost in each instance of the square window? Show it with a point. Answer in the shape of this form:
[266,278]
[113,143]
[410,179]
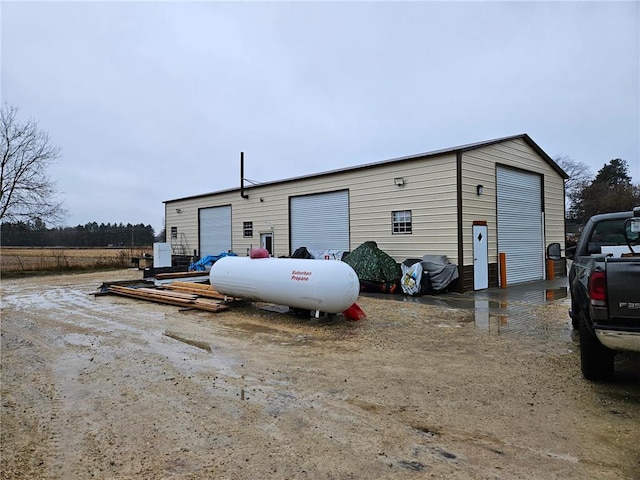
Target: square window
[401,222]
[247,229]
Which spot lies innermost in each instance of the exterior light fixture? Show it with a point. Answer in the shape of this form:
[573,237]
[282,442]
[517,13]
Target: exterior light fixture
[399,181]
[178,210]
[479,189]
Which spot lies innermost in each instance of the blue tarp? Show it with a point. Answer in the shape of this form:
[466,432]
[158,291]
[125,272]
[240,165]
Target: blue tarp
[205,263]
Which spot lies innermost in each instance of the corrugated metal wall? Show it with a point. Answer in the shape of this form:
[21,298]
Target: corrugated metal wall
[215,230]
[520,224]
[320,221]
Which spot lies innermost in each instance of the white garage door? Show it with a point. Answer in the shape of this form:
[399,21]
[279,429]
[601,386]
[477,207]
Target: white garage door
[215,230]
[520,233]
[320,221]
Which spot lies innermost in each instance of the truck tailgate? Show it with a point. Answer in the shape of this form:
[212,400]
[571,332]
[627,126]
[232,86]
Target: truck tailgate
[623,287]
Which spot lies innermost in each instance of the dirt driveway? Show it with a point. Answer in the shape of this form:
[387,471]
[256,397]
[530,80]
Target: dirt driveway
[115,388]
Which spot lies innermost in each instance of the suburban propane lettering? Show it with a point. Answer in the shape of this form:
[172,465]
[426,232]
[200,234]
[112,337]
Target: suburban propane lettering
[299,276]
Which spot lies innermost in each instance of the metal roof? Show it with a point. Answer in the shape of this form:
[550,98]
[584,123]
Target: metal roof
[434,153]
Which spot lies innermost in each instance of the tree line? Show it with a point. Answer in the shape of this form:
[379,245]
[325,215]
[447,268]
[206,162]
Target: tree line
[28,195]
[36,234]
[611,190]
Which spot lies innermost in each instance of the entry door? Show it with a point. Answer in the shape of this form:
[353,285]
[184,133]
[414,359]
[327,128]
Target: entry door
[480,258]
[266,242]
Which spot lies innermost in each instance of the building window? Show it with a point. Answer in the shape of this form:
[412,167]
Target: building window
[401,221]
[174,232]
[247,229]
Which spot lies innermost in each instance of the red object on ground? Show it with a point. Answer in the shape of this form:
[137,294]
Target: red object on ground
[354,312]
[259,253]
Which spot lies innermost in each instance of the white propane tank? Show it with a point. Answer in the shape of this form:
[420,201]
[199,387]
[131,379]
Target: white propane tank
[329,286]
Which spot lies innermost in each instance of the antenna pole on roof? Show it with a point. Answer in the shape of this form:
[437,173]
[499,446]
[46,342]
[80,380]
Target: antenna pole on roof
[242,194]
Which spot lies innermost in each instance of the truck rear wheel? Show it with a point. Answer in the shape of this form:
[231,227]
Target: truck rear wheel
[596,360]
[575,319]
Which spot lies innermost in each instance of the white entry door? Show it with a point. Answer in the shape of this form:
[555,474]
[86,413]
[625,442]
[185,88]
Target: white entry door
[480,258]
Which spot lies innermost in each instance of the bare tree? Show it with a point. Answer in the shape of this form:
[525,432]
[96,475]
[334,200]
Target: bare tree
[579,177]
[27,192]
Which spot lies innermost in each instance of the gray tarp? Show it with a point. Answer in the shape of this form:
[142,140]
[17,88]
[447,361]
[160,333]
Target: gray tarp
[441,272]
[438,269]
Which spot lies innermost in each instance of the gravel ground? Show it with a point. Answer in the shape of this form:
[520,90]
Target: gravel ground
[114,388]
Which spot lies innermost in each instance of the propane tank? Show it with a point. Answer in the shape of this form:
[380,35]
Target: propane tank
[329,286]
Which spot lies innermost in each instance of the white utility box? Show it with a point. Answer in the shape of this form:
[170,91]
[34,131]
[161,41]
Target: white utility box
[161,254]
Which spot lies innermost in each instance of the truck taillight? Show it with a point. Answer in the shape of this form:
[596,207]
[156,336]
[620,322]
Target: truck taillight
[598,288]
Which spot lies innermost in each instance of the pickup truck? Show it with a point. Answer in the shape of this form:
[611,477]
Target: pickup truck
[604,281]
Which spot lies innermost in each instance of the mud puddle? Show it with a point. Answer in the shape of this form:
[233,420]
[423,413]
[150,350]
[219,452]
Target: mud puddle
[504,312]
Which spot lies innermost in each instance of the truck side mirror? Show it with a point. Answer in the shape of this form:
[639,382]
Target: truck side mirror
[632,231]
[553,251]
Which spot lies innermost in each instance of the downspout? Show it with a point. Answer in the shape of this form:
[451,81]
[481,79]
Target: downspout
[242,194]
[459,221]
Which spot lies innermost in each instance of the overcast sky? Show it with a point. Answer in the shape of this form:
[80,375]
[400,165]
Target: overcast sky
[151,101]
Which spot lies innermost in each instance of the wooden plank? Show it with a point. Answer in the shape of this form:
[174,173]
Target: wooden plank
[131,292]
[162,276]
[142,292]
[180,288]
[199,286]
[209,307]
[158,297]
[201,292]
[168,293]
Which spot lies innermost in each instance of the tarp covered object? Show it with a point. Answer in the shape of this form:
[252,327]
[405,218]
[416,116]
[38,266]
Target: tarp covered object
[303,252]
[411,280]
[410,268]
[327,254]
[205,263]
[374,266]
[440,271]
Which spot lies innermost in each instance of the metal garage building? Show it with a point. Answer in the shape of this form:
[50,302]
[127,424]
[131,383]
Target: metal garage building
[470,203]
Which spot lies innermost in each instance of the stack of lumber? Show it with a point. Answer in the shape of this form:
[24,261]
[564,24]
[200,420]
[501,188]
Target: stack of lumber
[203,297]
[199,289]
[172,275]
[167,278]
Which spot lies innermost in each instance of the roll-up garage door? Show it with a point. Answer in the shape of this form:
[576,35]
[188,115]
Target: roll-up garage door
[215,230]
[520,233]
[320,221]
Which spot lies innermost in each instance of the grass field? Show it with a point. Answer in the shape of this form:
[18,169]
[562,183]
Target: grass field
[36,259]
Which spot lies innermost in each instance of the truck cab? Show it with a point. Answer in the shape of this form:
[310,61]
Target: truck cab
[604,280]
